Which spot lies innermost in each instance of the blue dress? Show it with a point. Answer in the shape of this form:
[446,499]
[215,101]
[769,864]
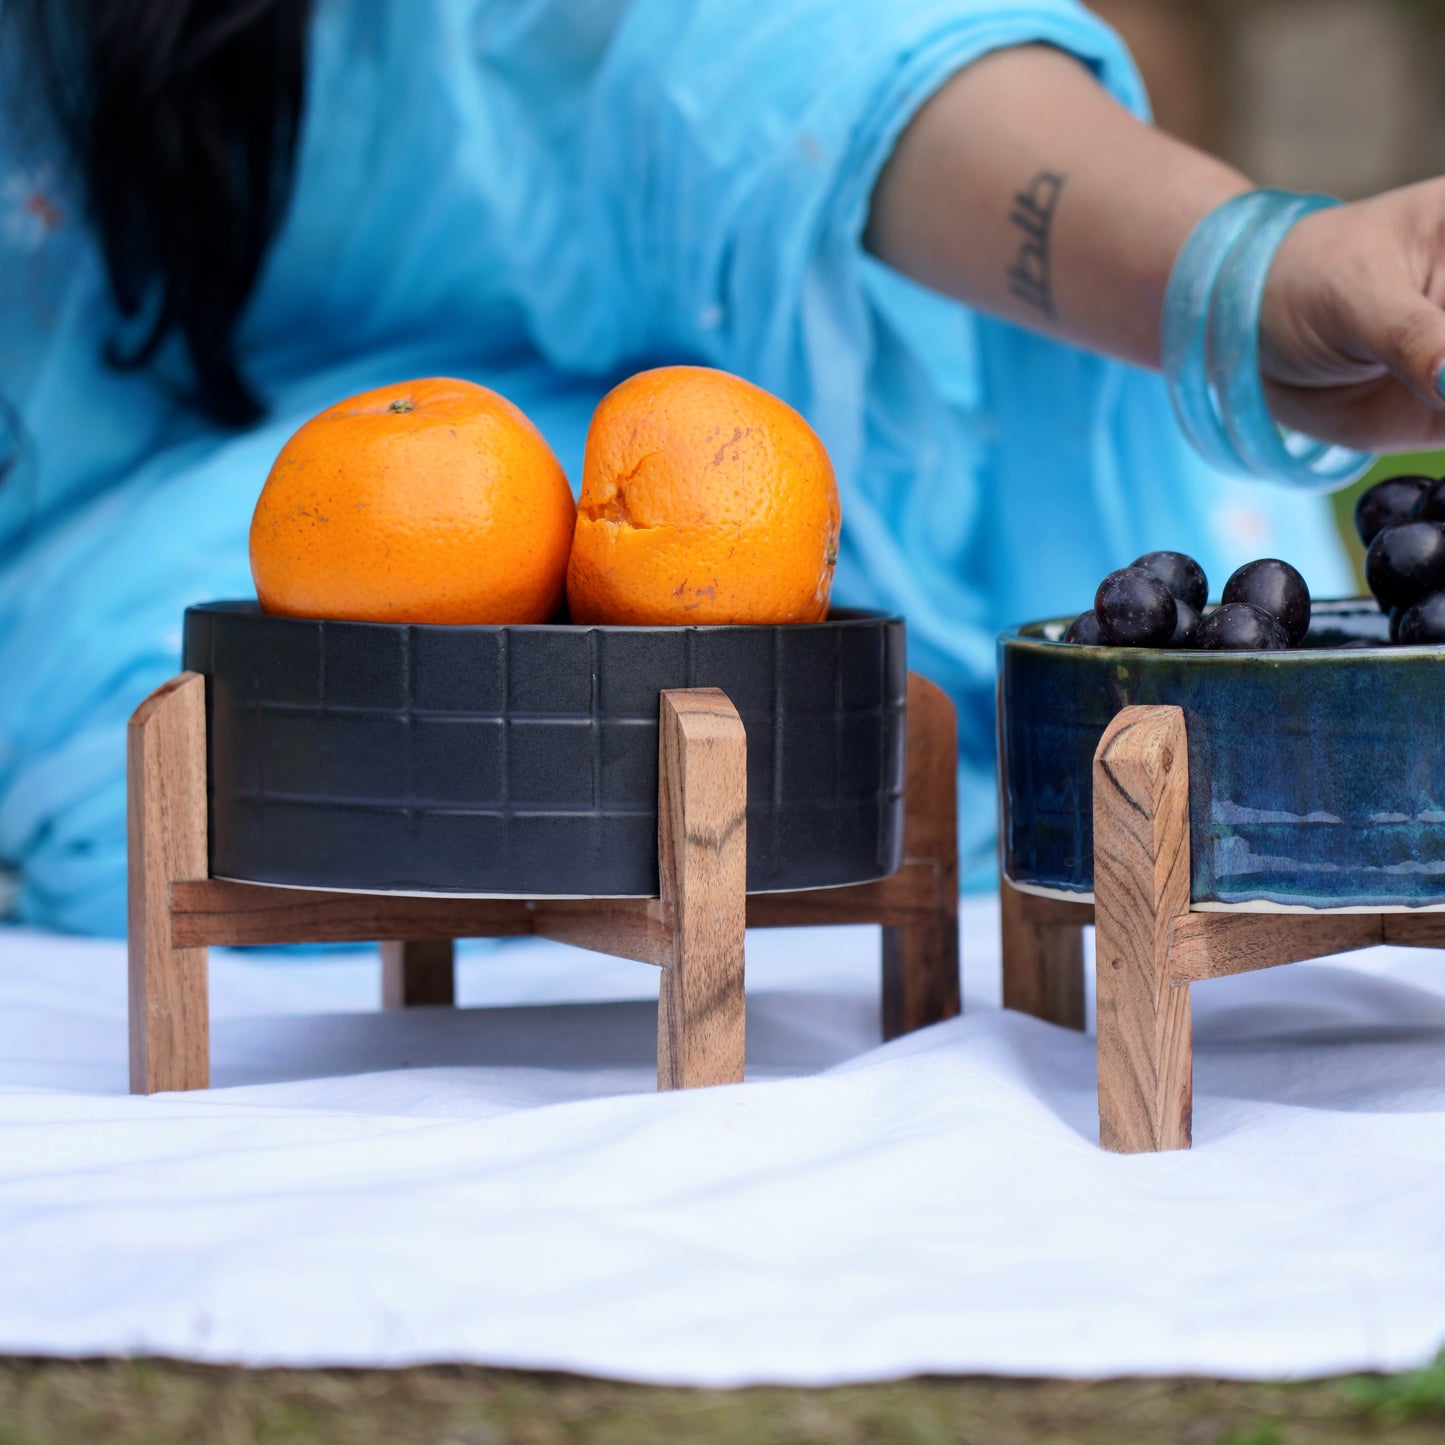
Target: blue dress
[544,195]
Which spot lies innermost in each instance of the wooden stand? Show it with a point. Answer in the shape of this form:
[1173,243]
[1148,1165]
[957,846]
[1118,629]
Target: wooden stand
[1149,945]
[693,931]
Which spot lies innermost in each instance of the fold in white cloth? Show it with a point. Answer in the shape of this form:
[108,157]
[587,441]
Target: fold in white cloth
[504,1187]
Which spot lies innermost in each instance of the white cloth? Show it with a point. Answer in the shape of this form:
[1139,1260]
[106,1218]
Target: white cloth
[504,1187]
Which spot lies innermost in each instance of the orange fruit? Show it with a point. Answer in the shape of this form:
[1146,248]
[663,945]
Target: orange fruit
[428,501]
[704,499]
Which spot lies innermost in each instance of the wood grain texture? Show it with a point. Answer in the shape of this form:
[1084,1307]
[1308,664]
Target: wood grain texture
[1058,912]
[1043,956]
[911,895]
[921,954]
[702,861]
[694,931]
[637,928]
[1141,888]
[165,841]
[237,914]
[215,910]
[1414,930]
[417,973]
[1215,945]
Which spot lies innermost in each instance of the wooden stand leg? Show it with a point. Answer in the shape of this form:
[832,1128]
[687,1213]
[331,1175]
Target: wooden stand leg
[918,988]
[170,1044]
[920,957]
[417,973]
[702,859]
[694,931]
[1043,955]
[1141,886]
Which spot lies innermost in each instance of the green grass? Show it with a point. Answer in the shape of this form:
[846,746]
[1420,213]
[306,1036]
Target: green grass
[1390,1399]
[153,1402]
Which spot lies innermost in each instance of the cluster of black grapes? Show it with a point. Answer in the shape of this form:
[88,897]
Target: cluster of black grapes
[1158,601]
[1402,522]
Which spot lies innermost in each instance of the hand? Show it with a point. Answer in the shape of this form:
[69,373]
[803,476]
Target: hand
[1352,334]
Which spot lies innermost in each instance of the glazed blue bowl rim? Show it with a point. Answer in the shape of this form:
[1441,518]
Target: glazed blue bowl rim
[1046,635]
[840,618]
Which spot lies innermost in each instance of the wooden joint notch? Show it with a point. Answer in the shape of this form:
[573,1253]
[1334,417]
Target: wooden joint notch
[1414,930]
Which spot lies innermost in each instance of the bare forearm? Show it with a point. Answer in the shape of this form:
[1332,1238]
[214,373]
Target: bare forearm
[1024,189]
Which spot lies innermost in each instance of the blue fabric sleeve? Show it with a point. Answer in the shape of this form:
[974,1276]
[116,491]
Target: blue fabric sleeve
[988,474]
[723,161]
[610,183]
[731,158]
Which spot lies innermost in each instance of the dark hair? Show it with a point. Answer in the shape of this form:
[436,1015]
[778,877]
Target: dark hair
[182,118]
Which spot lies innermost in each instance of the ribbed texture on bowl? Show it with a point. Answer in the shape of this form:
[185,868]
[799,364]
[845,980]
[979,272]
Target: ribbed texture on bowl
[523,760]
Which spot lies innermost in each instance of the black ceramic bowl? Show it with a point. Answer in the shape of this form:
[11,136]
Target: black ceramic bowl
[1316,777]
[523,760]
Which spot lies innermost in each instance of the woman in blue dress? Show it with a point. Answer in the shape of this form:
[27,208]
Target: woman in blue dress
[940,228]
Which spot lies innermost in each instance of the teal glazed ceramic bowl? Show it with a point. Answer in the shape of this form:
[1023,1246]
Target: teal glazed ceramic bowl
[1316,777]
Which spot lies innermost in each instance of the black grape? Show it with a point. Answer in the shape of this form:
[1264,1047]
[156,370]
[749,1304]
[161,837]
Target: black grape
[1241,627]
[1085,629]
[1186,626]
[1424,622]
[1135,609]
[1181,574]
[1274,587]
[1406,562]
[1431,506]
[1387,504]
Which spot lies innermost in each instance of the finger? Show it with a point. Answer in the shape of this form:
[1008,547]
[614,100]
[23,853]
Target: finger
[1407,334]
[1372,416]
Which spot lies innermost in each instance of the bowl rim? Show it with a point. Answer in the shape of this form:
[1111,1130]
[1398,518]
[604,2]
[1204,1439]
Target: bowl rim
[1032,636]
[838,619]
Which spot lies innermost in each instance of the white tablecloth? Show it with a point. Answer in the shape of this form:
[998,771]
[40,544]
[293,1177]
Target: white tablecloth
[505,1187]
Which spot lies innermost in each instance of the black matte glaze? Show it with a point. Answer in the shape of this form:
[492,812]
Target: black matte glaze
[523,760]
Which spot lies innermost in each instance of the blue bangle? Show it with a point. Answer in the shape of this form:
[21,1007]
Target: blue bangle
[1187,305]
[1211,346]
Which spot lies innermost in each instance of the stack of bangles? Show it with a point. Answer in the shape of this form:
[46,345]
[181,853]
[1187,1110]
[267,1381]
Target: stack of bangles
[1211,346]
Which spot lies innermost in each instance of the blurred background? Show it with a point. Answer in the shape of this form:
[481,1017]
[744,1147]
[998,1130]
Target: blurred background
[1341,96]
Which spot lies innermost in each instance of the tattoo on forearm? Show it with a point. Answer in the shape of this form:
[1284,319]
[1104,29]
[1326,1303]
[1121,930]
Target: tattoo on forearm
[1030,278]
